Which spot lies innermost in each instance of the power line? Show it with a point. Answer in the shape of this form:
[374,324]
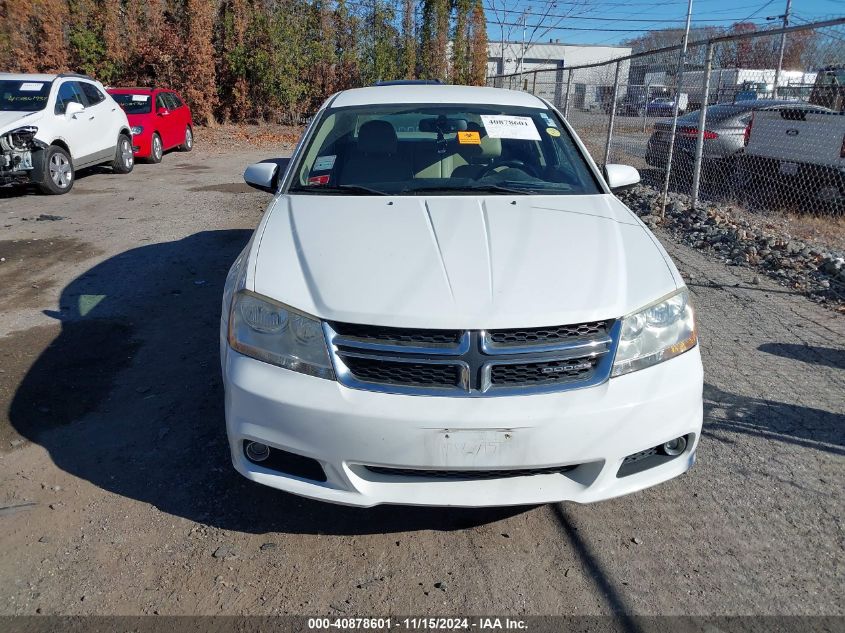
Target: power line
[603,19]
[576,28]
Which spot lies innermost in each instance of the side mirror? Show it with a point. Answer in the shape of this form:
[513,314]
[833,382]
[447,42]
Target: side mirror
[263,176]
[620,177]
[73,108]
[163,112]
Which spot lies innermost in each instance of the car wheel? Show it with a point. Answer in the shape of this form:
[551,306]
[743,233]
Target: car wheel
[58,173]
[124,158]
[156,149]
[188,143]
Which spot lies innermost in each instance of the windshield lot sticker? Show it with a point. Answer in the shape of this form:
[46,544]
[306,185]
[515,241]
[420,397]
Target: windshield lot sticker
[323,163]
[549,121]
[31,87]
[141,98]
[469,138]
[553,131]
[515,127]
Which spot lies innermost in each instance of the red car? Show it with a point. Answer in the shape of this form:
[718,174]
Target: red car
[159,118]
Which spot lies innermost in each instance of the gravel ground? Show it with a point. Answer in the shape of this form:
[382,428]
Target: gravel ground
[117,496]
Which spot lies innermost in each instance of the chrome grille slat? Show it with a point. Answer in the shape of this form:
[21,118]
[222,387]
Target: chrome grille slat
[470,363]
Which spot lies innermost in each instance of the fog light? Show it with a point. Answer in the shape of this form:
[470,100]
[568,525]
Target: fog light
[676,446]
[257,452]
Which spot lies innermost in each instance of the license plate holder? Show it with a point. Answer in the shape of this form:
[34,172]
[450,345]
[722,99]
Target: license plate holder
[472,448]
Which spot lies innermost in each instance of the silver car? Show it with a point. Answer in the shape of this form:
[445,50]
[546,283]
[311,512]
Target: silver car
[723,136]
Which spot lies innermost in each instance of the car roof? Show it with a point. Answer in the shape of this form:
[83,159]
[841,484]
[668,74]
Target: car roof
[427,93]
[27,76]
[137,90]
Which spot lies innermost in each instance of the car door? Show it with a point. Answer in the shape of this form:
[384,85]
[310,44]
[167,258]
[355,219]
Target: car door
[181,118]
[75,130]
[164,119]
[104,118]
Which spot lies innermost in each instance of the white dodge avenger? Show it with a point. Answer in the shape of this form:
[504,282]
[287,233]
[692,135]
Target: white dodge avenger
[445,304]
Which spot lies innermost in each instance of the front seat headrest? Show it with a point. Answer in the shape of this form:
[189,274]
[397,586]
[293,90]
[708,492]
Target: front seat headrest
[377,137]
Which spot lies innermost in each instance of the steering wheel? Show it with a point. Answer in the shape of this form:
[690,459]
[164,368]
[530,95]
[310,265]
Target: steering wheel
[513,163]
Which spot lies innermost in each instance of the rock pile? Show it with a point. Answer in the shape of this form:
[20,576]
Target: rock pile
[817,271]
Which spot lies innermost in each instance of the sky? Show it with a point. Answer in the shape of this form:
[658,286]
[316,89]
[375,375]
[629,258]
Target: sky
[611,21]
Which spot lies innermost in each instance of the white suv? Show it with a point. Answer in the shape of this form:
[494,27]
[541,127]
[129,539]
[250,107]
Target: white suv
[53,125]
[445,304]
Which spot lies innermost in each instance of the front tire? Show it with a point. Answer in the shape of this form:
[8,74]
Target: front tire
[124,158]
[188,144]
[156,149]
[58,176]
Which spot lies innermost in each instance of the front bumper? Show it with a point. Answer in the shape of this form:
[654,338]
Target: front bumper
[142,145]
[346,430]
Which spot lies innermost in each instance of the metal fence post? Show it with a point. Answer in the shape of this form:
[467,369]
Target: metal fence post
[645,106]
[612,114]
[682,61]
[568,92]
[702,121]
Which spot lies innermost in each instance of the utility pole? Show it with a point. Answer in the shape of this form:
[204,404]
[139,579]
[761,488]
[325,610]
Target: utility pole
[785,17]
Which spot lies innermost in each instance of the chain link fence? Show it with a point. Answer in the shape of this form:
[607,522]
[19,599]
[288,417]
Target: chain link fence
[756,119]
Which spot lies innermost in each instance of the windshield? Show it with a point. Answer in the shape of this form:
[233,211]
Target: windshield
[23,96]
[450,149]
[133,103]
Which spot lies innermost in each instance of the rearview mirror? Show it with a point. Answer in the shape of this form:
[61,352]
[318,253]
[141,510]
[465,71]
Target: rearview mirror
[73,108]
[619,177]
[443,124]
[265,175]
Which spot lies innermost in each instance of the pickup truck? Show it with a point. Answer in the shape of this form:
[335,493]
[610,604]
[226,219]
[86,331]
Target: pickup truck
[801,146]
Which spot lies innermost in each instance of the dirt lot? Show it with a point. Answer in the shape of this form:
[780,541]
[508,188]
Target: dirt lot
[117,496]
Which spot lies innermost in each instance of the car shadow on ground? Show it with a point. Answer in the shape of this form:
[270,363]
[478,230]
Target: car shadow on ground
[129,397]
[815,355]
[772,420]
[20,191]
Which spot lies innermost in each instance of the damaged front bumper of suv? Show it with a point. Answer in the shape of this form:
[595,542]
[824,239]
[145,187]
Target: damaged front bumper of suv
[18,155]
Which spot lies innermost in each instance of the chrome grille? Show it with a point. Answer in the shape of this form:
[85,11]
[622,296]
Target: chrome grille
[554,371]
[472,362]
[542,335]
[401,373]
[399,335]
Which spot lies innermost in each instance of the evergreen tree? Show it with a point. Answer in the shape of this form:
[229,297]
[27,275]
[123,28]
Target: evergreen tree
[478,46]
[460,43]
[409,42]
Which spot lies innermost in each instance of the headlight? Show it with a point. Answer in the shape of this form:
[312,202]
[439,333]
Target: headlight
[136,130]
[274,333]
[656,333]
[22,138]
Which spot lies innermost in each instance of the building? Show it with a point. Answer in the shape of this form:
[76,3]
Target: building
[589,87]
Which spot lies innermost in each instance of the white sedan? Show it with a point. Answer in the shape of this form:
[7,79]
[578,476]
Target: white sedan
[445,304]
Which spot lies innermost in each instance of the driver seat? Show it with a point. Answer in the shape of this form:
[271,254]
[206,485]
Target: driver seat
[376,156]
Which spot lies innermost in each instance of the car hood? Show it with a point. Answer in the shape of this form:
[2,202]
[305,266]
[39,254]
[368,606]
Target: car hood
[11,120]
[459,261]
[137,119]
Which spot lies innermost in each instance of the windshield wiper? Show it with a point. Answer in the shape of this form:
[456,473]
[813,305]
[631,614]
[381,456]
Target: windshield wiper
[355,190]
[490,188]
